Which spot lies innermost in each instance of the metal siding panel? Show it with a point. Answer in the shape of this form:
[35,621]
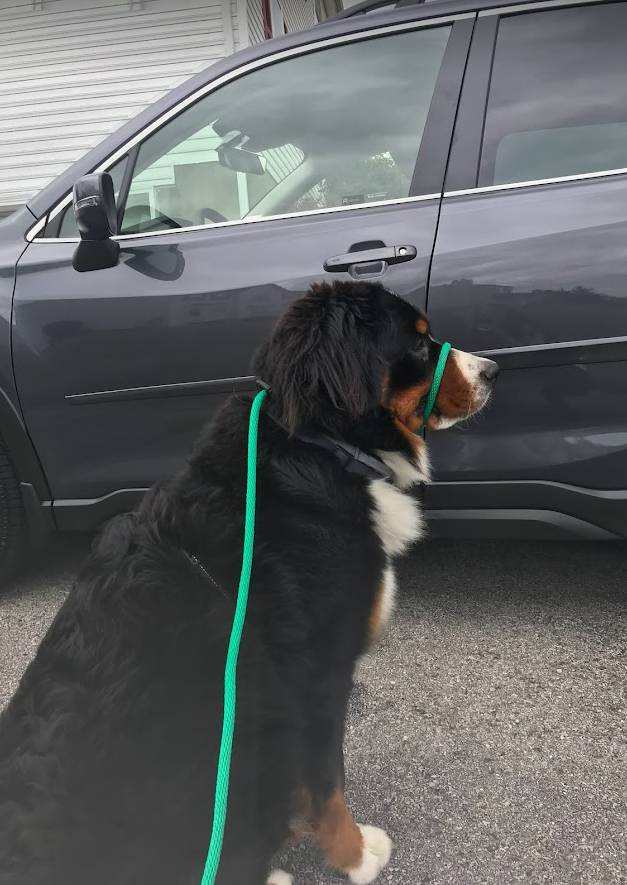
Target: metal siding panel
[90,46]
[40,25]
[237,44]
[39,83]
[255,22]
[298,14]
[65,84]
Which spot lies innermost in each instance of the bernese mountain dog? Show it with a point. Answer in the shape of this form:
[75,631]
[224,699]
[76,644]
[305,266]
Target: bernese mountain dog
[108,749]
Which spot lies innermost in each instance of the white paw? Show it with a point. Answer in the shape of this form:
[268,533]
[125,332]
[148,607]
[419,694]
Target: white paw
[278,877]
[377,851]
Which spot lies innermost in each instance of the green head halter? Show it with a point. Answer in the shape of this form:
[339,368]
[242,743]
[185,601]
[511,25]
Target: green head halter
[437,380]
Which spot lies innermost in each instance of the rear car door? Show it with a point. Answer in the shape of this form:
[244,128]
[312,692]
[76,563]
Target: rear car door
[229,207]
[530,264]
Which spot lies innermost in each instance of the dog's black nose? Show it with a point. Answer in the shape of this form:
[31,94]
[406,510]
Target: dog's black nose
[490,372]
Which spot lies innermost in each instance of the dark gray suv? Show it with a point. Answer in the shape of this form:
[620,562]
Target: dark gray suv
[472,156]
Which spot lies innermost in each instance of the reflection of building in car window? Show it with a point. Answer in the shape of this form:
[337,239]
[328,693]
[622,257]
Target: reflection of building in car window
[293,135]
[189,185]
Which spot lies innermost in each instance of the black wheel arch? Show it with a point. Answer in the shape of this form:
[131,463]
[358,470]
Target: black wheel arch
[28,470]
[20,447]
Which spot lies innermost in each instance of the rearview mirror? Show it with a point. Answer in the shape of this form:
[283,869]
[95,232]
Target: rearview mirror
[97,221]
[232,155]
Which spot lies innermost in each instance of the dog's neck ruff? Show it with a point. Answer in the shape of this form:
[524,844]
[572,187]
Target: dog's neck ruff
[352,458]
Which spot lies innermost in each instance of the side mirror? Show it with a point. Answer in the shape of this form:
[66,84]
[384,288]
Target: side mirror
[97,221]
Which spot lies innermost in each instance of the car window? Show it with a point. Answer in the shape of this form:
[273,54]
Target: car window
[335,127]
[558,103]
[179,180]
[66,226]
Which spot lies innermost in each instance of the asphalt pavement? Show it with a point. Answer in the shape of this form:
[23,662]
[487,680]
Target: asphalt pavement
[487,732]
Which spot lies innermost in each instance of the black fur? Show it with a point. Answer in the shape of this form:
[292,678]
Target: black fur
[108,750]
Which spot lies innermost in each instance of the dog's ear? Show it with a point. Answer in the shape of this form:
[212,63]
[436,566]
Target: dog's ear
[322,360]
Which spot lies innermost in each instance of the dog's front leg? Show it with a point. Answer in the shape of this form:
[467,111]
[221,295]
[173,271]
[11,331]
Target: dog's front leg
[358,850]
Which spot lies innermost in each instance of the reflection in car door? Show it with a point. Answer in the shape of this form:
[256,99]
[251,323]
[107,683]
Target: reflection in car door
[530,262]
[117,369]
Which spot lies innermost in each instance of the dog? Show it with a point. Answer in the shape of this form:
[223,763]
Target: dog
[108,750]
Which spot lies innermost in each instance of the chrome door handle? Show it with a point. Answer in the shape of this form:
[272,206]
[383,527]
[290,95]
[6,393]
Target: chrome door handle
[389,254]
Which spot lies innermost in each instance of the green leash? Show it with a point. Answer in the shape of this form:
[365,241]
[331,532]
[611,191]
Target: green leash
[437,380]
[230,670]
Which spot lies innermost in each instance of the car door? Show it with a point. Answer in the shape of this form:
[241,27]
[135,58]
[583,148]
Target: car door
[530,264]
[229,208]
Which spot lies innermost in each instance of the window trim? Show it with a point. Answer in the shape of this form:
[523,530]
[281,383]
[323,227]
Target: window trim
[127,180]
[383,30]
[490,188]
[432,159]
[465,154]
[221,224]
[542,4]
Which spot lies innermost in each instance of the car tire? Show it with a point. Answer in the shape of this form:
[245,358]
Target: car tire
[13,532]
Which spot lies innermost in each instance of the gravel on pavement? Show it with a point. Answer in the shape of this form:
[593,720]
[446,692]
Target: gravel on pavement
[487,730]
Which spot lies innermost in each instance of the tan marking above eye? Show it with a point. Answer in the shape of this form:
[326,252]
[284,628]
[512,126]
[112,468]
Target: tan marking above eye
[422,326]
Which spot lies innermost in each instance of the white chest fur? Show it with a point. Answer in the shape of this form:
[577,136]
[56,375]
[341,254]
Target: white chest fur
[397,517]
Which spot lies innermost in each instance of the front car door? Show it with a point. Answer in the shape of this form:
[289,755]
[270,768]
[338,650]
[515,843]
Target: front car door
[531,264]
[229,206]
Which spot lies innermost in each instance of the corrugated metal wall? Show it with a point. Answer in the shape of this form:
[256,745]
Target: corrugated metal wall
[240,35]
[71,71]
[255,21]
[298,14]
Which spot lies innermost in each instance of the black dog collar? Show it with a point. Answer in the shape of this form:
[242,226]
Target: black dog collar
[352,459]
